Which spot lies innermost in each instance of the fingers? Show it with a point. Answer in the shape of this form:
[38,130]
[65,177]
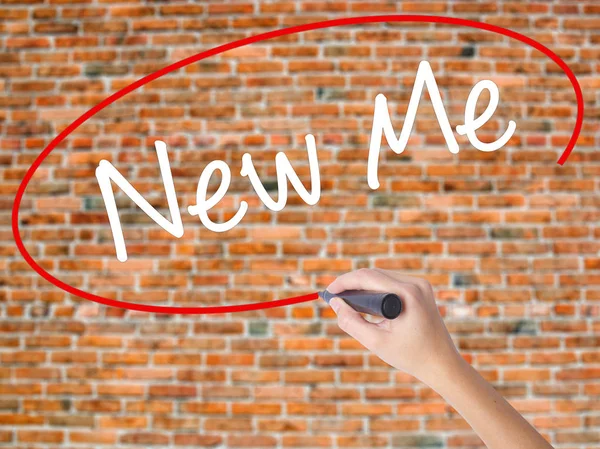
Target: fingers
[362,279]
[352,322]
[423,284]
[374,319]
[375,280]
[399,276]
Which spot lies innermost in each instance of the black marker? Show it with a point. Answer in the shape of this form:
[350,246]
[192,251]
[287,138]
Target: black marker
[387,305]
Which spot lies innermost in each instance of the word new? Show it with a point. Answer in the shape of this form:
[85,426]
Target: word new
[382,125]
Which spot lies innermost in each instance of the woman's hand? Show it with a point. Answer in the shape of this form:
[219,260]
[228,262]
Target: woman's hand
[416,342]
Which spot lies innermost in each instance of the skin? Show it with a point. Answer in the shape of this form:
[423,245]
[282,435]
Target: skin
[418,343]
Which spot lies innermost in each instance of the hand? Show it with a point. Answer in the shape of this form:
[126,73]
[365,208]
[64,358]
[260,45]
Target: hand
[416,342]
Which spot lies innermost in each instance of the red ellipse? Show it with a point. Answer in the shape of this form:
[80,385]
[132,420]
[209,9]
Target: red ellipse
[220,49]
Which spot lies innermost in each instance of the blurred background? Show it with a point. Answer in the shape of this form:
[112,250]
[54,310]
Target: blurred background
[508,239]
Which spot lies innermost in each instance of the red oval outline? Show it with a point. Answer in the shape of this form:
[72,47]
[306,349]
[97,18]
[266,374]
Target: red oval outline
[229,46]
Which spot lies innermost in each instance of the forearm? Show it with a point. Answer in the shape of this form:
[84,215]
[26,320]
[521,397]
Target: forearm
[492,418]
[418,343]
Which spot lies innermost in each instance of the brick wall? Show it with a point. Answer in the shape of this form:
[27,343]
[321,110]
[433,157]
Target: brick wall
[508,239]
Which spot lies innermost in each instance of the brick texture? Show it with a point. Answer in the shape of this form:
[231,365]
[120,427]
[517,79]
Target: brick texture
[509,239]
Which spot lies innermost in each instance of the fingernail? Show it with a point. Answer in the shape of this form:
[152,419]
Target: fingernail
[335,304]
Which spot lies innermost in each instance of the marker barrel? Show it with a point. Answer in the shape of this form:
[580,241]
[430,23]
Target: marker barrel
[387,305]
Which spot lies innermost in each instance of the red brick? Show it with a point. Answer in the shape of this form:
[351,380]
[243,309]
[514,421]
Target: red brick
[507,238]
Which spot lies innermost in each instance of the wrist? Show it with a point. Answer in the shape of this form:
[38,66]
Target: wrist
[447,372]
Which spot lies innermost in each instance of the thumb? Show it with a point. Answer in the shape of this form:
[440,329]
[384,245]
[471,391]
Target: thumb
[352,322]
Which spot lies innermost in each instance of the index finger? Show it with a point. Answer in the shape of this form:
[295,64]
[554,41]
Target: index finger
[365,279]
